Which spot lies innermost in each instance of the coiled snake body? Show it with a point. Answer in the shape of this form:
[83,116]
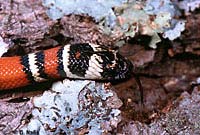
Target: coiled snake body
[79,61]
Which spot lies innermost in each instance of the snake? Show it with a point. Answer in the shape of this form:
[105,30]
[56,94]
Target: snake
[76,61]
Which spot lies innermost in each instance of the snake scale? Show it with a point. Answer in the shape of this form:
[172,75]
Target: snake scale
[76,61]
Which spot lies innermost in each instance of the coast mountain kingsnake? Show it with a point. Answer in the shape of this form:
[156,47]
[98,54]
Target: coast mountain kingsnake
[77,61]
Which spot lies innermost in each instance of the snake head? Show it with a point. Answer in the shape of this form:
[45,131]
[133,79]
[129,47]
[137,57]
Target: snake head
[97,62]
[115,66]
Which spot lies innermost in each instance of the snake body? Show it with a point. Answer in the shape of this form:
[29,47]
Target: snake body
[77,61]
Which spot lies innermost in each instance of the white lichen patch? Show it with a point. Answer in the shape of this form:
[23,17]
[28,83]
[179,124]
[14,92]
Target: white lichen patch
[98,9]
[151,18]
[176,31]
[188,5]
[73,107]
[3,47]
